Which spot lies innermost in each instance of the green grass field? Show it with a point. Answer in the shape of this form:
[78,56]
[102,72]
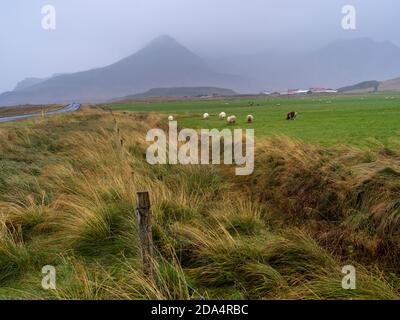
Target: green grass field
[369,120]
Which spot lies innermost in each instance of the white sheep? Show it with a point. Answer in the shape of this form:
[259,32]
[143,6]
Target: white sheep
[231,119]
[170,118]
[249,118]
[222,115]
[206,116]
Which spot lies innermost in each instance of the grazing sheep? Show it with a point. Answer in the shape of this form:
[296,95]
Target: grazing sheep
[170,118]
[206,116]
[249,118]
[291,115]
[222,115]
[231,119]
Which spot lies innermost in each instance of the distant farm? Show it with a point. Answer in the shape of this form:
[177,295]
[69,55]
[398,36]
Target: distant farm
[360,120]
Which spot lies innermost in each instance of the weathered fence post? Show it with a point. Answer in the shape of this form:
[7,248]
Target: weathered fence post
[145,232]
[120,142]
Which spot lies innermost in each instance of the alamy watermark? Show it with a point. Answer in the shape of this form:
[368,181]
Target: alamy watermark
[49,280]
[165,148]
[349,20]
[349,280]
[49,17]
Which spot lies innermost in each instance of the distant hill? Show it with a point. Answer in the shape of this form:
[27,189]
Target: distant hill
[366,86]
[373,86]
[390,85]
[180,92]
[162,63]
[28,82]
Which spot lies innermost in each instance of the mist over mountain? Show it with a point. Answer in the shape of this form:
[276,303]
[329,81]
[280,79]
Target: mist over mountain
[338,64]
[354,60]
[162,63]
[165,63]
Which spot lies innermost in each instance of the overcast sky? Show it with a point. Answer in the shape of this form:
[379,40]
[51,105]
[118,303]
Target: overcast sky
[92,33]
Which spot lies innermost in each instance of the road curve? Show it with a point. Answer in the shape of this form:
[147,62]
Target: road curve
[69,108]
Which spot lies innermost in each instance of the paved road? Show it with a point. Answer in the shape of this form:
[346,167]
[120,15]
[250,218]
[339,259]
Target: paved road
[69,108]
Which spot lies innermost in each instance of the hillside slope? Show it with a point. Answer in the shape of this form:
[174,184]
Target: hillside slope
[390,85]
[366,86]
[373,86]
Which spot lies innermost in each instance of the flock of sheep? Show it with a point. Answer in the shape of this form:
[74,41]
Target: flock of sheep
[230,120]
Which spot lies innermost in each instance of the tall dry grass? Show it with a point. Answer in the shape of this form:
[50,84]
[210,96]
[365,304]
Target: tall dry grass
[68,198]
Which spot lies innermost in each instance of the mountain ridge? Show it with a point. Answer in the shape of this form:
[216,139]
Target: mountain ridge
[179,92]
[163,62]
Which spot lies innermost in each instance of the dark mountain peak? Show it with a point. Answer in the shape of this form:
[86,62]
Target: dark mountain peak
[165,50]
[164,42]
[163,39]
[166,55]
[162,63]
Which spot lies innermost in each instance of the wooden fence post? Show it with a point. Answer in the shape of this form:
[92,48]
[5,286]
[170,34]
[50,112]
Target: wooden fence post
[145,232]
[119,140]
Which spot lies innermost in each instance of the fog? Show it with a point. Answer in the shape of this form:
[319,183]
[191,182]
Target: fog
[93,33]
